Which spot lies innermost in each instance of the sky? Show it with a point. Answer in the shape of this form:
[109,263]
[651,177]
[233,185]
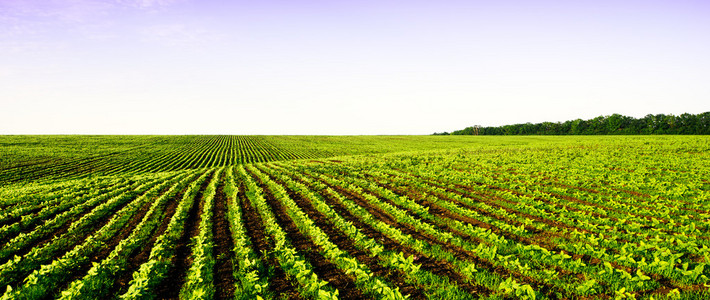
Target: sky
[344,67]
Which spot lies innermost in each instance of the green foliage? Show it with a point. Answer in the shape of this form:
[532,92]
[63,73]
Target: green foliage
[622,217]
[603,125]
[520,291]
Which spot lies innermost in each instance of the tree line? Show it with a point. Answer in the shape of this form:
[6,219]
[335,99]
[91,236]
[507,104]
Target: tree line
[614,124]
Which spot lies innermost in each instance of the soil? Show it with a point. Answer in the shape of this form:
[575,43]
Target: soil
[15,219]
[346,244]
[123,279]
[466,255]
[437,267]
[321,266]
[58,253]
[170,287]
[65,227]
[223,279]
[111,244]
[543,240]
[278,283]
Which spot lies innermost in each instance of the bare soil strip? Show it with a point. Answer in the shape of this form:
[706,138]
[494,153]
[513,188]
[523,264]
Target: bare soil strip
[111,244]
[321,266]
[543,239]
[64,228]
[121,283]
[278,283]
[485,198]
[170,287]
[437,267]
[223,279]
[488,199]
[13,220]
[103,253]
[344,243]
[48,236]
[463,254]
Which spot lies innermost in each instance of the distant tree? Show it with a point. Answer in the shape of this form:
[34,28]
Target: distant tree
[687,124]
[565,128]
[649,126]
[614,124]
[579,126]
[703,124]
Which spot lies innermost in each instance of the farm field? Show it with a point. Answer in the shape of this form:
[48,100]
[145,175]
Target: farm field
[363,217]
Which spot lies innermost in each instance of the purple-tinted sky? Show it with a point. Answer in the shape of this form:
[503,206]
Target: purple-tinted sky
[331,67]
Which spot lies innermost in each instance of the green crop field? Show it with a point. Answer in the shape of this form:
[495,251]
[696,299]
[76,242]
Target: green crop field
[358,217]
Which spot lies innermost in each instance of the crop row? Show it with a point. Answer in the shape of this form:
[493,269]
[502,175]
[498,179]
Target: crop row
[455,224]
[159,156]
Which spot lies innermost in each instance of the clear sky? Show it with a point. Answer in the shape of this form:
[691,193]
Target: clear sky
[344,67]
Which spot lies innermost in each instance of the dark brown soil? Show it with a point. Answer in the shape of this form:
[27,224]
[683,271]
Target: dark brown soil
[46,236]
[101,223]
[321,266]
[468,192]
[437,210]
[65,227]
[126,230]
[16,219]
[466,255]
[278,283]
[485,198]
[437,267]
[346,244]
[223,279]
[170,287]
[112,243]
[543,240]
[134,261]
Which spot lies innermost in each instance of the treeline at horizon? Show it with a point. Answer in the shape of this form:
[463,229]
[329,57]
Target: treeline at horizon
[602,125]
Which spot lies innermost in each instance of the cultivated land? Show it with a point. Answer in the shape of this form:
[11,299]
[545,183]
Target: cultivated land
[383,217]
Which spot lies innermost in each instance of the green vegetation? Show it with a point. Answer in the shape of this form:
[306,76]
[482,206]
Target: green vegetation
[383,217]
[602,125]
